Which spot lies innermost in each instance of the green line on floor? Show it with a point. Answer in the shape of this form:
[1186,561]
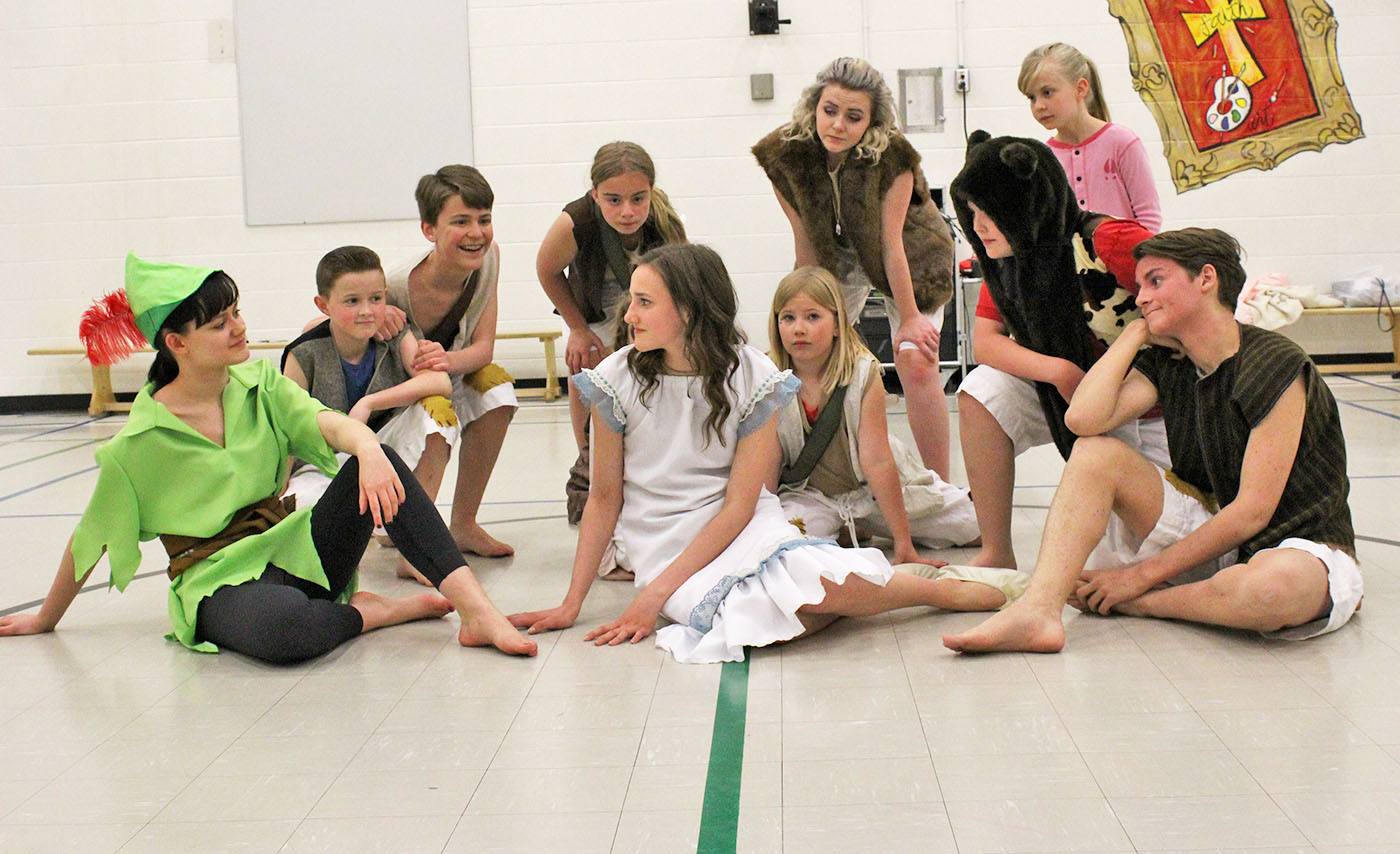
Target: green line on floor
[719,819]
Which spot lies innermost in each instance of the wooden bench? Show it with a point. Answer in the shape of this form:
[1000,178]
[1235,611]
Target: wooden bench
[104,400]
[1362,367]
[551,372]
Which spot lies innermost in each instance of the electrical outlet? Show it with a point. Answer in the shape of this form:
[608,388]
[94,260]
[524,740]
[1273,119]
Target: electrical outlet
[962,79]
[221,47]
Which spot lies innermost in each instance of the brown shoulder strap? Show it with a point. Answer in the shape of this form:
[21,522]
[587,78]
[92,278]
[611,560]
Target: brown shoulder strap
[828,423]
[446,330]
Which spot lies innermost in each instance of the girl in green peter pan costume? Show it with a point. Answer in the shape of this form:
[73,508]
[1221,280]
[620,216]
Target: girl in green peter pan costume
[201,463]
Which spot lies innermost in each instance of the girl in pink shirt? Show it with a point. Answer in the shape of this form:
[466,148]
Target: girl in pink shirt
[1106,163]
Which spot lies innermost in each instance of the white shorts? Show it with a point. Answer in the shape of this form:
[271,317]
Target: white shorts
[818,515]
[1014,404]
[471,404]
[407,433]
[1182,514]
[856,290]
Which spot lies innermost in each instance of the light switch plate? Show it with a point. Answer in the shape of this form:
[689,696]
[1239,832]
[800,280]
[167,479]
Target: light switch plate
[761,87]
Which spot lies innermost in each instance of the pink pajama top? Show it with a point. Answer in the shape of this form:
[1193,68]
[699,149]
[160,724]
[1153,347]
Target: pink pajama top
[1110,175]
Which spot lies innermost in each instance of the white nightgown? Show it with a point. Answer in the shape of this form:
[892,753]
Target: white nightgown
[673,484]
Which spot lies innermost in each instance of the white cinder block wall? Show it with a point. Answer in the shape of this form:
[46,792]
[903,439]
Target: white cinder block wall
[117,132]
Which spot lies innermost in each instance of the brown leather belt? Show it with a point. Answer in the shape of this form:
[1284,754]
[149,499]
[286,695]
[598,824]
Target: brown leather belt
[256,518]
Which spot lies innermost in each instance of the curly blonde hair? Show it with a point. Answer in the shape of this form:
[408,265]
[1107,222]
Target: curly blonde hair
[857,75]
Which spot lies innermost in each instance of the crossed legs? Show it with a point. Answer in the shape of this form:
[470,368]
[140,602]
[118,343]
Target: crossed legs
[1277,588]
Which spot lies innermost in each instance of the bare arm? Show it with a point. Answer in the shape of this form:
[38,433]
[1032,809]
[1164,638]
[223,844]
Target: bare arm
[877,462]
[993,347]
[914,328]
[1112,393]
[595,531]
[557,251]
[65,586]
[894,208]
[1268,458]
[292,371]
[584,349]
[381,491]
[477,354]
[412,390]
[754,458]
[420,384]
[805,255]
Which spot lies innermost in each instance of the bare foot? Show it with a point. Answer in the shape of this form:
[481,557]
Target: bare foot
[488,627]
[380,611]
[404,569]
[475,540]
[1019,628]
[957,595]
[620,574]
[994,559]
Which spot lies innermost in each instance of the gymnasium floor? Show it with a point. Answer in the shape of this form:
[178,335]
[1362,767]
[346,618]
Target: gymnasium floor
[1143,736]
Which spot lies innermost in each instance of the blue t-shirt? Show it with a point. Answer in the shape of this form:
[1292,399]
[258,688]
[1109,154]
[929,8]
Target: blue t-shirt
[357,376]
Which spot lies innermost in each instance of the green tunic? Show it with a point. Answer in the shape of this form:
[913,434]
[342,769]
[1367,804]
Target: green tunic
[161,476]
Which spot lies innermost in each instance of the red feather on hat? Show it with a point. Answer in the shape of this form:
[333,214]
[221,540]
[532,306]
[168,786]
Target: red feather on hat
[108,329]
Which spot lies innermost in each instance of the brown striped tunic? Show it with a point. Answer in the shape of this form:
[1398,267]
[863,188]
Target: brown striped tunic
[1209,419]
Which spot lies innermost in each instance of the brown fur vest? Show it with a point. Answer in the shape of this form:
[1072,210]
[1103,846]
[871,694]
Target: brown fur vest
[797,169]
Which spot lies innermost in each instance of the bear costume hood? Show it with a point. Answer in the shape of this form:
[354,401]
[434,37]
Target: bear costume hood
[1020,185]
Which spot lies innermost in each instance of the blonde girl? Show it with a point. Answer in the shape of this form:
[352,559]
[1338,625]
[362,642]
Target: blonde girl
[864,478]
[856,198]
[684,441]
[1106,162]
[587,257]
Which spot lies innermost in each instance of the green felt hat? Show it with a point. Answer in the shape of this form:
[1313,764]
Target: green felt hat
[155,290]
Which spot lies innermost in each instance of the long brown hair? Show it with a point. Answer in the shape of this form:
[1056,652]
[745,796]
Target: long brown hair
[622,158]
[703,294]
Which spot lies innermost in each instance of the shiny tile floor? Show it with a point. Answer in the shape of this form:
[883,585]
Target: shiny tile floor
[1144,736]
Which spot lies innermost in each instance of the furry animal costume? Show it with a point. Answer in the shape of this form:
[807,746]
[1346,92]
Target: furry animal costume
[1054,295]
[797,169]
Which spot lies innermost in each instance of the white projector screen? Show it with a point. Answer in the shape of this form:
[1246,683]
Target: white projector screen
[344,105]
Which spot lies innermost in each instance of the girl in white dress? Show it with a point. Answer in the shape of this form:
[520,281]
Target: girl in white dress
[685,448]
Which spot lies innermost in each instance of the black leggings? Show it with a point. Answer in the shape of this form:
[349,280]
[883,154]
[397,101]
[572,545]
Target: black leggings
[283,619]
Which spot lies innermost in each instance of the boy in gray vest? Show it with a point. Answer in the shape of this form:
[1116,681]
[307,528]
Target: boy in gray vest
[1250,527]
[339,362]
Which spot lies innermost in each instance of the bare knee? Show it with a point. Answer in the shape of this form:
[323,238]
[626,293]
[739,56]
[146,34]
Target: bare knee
[914,368]
[831,602]
[1100,454]
[436,446]
[1283,587]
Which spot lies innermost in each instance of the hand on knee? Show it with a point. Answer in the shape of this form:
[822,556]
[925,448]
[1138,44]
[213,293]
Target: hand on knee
[395,460]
